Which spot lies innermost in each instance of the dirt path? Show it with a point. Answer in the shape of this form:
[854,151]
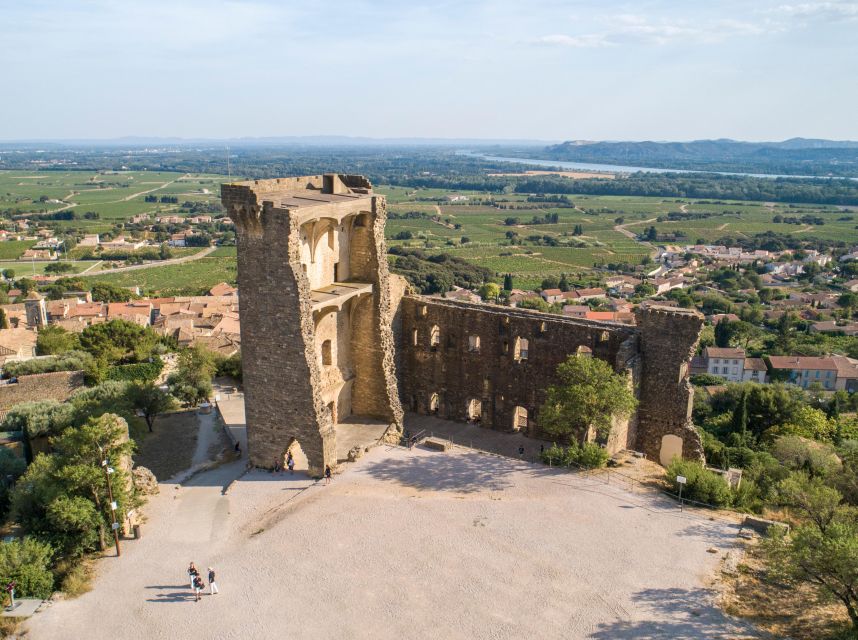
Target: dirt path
[151,265]
[804,229]
[621,228]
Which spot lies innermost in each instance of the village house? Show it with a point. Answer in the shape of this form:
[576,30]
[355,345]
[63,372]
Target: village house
[804,370]
[223,289]
[170,220]
[89,240]
[121,243]
[200,219]
[831,326]
[136,311]
[725,362]
[40,255]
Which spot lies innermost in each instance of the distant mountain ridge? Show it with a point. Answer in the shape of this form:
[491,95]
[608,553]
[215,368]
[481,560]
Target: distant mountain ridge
[796,156]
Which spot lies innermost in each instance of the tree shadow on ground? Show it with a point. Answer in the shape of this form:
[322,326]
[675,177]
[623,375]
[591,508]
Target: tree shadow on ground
[677,614]
[462,473]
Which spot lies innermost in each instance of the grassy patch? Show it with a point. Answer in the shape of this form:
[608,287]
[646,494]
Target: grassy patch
[12,249]
[195,277]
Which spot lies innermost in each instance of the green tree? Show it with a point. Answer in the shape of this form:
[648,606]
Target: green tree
[27,562]
[563,285]
[507,282]
[59,267]
[9,274]
[489,291]
[118,340]
[589,395]
[105,292]
[53,340]
[822,549]
[191,382]
[4,321]
[149,401]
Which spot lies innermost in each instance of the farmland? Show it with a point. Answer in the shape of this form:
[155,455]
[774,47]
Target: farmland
[498,229]
[486,228]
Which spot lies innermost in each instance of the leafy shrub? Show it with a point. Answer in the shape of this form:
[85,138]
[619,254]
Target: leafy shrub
[701,485]
[71,361]
[139,372]
[27,562]
[40,418]
[589,455]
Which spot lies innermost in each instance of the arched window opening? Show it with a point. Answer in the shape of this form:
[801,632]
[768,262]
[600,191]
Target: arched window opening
[330,238]
[414,337]
[434,403]
[327,358]
[473,343]
[475,410]
[520,349]
[519,418]
[435,336]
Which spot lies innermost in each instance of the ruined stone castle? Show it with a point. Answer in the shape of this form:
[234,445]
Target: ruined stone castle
[329,334]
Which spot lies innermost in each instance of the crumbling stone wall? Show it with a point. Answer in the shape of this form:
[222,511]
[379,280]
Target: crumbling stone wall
[428,341]
[459,373]
[654,356]
[283,378]
[669,338]
[58,385]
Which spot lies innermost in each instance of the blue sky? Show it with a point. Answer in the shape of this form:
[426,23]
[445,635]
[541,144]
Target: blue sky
[544,69]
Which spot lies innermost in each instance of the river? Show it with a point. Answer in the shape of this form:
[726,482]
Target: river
[618,168]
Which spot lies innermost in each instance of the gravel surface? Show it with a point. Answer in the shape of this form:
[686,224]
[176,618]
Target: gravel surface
[408,545]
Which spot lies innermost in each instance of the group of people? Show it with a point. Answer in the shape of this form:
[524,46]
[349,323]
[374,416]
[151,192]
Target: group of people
[197,584]
[290,464]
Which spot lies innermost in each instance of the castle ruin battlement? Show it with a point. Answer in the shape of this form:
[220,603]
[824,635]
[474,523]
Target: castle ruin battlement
[327,333]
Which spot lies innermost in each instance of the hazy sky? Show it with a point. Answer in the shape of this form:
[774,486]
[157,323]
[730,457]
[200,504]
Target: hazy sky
[750,69]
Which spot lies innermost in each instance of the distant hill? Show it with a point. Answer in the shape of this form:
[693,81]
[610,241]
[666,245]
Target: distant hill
[796,156]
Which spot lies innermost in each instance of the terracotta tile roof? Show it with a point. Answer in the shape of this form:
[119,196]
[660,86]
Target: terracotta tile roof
[724,352]
[802,362]
[755,364]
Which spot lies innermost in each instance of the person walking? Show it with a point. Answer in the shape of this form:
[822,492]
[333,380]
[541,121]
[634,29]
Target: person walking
[198,587]
[290,462]
[192,573]
[521,452]
[212,584]
[327,474]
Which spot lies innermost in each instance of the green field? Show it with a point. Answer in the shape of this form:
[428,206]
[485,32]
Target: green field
[196,276]
[115,197]
[25,268]
[118,196]
[12,249]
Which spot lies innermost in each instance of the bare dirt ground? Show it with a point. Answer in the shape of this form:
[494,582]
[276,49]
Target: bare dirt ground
[170,448]
[408,544]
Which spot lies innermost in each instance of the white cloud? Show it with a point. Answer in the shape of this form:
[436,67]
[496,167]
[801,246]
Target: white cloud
[823,10]
[635,29]
[578,42]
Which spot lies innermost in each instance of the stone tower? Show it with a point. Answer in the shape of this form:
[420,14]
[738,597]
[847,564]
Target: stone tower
[37,312]
[316,312]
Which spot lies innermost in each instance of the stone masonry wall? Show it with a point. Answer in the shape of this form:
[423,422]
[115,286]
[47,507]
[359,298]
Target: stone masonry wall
[280,367]
[669,338]
[458,373]
[654,355]
[376,391]
[40,386]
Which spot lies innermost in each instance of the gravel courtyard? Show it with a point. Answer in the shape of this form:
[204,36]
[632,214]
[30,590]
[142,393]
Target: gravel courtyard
[408,544]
